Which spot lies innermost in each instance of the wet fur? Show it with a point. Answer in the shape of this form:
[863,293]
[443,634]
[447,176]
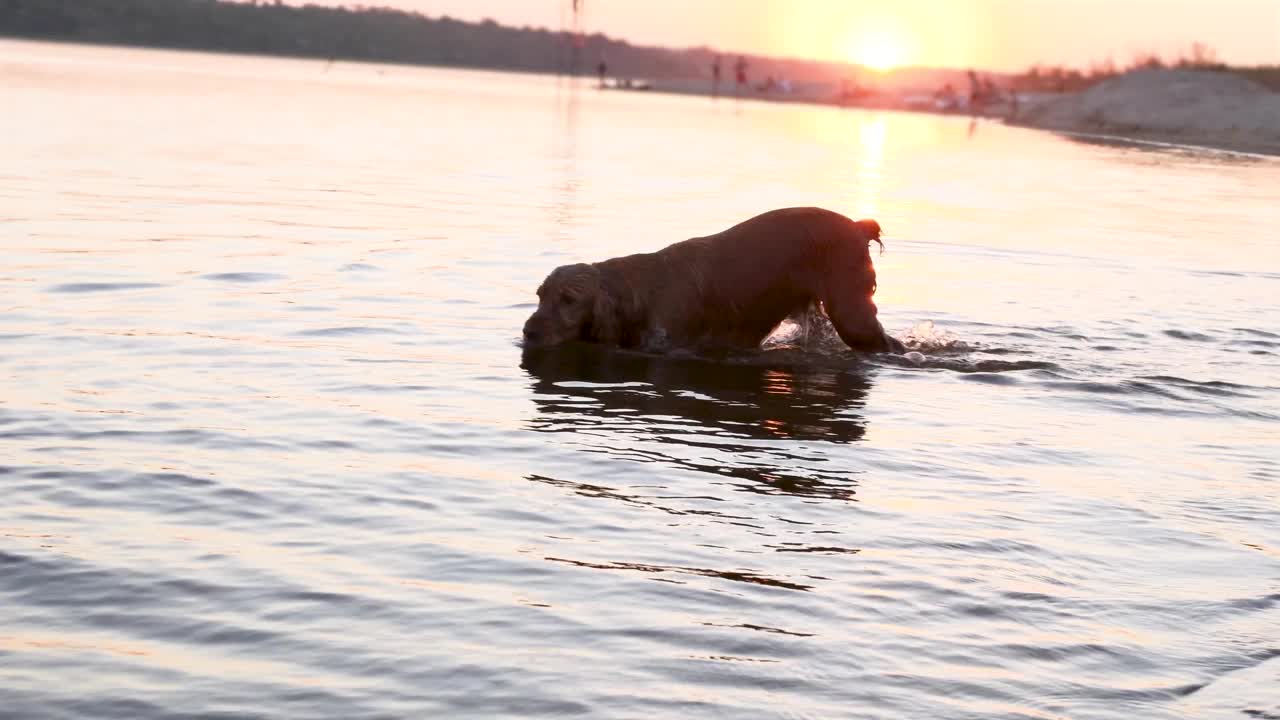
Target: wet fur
[723,291]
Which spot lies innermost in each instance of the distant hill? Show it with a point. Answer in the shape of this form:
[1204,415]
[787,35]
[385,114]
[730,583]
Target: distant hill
[1200,107]
[386,35]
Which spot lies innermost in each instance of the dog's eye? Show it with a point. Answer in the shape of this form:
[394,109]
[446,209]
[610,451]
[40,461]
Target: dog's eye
[568,299]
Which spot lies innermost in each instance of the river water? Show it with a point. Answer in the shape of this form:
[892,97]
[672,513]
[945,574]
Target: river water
[269,447]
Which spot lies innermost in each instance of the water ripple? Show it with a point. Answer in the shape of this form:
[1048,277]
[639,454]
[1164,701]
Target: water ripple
[244,277]
[97,287]
[284,458]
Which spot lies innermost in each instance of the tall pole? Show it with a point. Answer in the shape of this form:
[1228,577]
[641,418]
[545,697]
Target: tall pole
[577,39]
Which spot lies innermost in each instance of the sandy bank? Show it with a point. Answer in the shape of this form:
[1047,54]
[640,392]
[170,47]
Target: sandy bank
[1213,109]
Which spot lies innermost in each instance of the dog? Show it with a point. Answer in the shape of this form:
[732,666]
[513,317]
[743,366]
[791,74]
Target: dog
[726,291]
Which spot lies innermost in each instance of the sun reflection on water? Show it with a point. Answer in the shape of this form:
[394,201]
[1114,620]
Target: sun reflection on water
[872,134]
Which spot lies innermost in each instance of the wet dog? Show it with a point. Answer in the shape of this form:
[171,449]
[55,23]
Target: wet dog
[723,291]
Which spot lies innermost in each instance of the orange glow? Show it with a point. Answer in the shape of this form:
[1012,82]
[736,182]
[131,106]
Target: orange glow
[878,49]
[983,34]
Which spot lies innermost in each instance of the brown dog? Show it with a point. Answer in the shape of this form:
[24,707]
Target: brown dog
[723,291]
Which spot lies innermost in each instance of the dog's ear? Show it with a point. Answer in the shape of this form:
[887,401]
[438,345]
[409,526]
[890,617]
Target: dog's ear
[604,324]
[871,230]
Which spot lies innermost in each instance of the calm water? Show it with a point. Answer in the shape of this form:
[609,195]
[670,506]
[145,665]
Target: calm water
[268,447]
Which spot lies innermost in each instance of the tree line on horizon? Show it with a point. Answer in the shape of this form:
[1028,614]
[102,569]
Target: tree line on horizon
[389,35]
[368,34]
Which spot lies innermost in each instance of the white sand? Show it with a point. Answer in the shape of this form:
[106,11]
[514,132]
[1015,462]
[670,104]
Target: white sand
[1218,109]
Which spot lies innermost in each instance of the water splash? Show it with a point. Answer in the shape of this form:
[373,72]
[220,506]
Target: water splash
[927,338]
[931,347]
[807,338]
[810,330]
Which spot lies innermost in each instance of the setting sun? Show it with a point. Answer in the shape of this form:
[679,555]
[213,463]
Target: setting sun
[878,49]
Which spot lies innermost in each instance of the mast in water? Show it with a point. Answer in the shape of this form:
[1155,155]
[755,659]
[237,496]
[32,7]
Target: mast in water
[575,35]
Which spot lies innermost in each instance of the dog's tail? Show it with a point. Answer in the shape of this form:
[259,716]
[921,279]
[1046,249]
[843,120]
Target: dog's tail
[871,229]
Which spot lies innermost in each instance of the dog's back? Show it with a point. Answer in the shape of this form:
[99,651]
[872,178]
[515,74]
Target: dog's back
[734,287]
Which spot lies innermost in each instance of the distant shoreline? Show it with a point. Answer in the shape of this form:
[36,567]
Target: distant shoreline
[1135,136]
[267,54]
[1162,140]
[701,87]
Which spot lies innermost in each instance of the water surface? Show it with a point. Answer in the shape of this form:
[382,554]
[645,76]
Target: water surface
[268,446]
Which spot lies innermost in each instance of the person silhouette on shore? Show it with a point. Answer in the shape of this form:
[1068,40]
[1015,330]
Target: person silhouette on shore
[715,76]
[740,70]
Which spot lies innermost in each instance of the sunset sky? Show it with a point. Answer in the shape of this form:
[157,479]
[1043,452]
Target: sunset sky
[989,34]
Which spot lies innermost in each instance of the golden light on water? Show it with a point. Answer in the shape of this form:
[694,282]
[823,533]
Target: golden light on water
[872,133]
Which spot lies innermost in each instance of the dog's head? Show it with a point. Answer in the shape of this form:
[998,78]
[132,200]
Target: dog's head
[572,305]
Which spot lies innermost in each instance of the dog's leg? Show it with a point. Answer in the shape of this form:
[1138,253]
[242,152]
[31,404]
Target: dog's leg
[855,321]
[848,289]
